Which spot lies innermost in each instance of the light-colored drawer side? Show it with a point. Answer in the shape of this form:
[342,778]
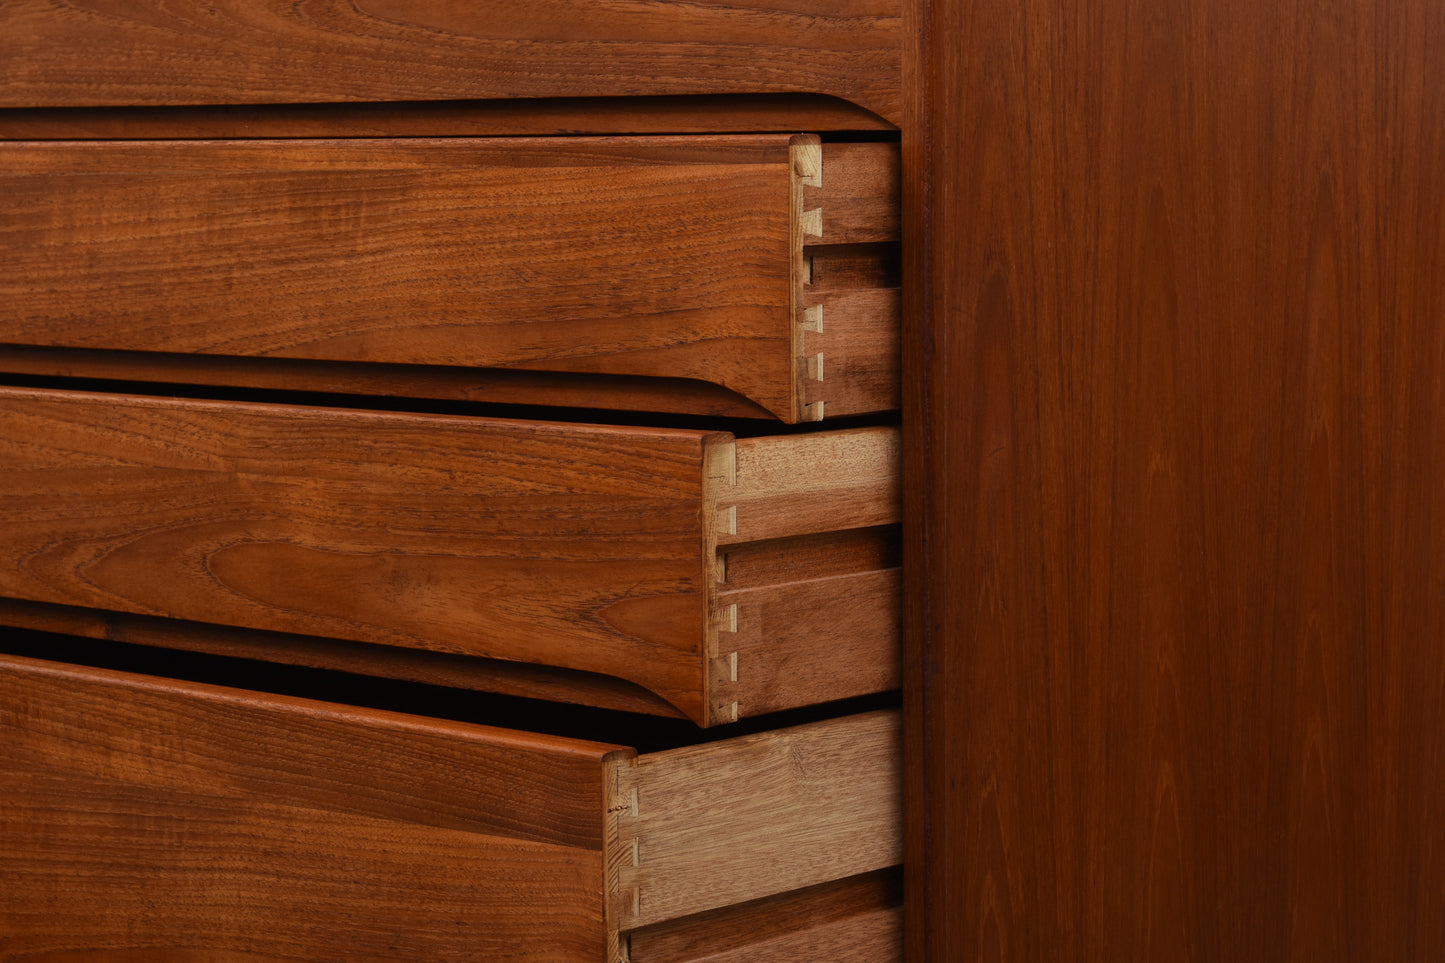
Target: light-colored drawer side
[807,639]
[695,829]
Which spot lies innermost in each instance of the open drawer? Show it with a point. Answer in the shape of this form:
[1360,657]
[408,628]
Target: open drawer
[151,816]
[724,576]
[756,273]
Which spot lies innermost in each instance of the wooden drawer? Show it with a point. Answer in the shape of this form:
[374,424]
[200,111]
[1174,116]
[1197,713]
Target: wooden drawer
[725,576]
[757,272]
[144,816]
[273,51]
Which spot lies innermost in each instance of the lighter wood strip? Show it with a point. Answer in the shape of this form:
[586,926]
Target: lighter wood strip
[799,484]
[720,660]
[738,820]
[805,224]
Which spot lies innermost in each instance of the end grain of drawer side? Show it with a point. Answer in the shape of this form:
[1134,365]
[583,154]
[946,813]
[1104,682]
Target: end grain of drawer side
[684,258]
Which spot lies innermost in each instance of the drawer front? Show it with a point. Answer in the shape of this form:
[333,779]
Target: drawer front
[146,814]
[683,258]
[272,51]
[583,548]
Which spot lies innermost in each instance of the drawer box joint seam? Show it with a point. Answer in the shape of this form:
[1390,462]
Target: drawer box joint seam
[804,171]
[722,668]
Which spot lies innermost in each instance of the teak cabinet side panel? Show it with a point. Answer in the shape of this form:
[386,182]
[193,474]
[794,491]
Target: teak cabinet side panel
[1175,540]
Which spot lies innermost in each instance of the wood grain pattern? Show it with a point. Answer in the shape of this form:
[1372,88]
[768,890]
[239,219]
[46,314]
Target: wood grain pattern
[848,920]
[702,827]
[785,642]
[150,816]
[782,486]
[858,194]
[750,565]
[1175,395]
[853,364]
[618,256]
[564,545]
[844,236]
[661,257]
[146,814]
[101,52]
[874,937]
[798,617]
[507,386]
[576,547]
[780,646]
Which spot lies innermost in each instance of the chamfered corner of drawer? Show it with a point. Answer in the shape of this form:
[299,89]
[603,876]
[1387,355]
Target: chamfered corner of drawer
[703,827]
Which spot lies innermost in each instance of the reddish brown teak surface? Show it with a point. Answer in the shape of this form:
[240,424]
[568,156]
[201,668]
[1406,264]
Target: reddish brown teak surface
[1176,448]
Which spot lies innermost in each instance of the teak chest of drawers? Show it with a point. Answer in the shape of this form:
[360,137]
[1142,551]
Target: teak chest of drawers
[593,405]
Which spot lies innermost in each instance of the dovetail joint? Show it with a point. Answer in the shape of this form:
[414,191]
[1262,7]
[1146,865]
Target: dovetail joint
[813,318]
[808,163]
[727,520]
[722,462]
[627,888]
[812,222]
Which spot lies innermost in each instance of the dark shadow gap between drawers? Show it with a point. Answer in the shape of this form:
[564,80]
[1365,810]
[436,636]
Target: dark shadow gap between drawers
[646,733]
[740,427]
[661,116]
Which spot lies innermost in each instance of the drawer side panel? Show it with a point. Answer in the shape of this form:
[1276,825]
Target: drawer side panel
[709,826]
